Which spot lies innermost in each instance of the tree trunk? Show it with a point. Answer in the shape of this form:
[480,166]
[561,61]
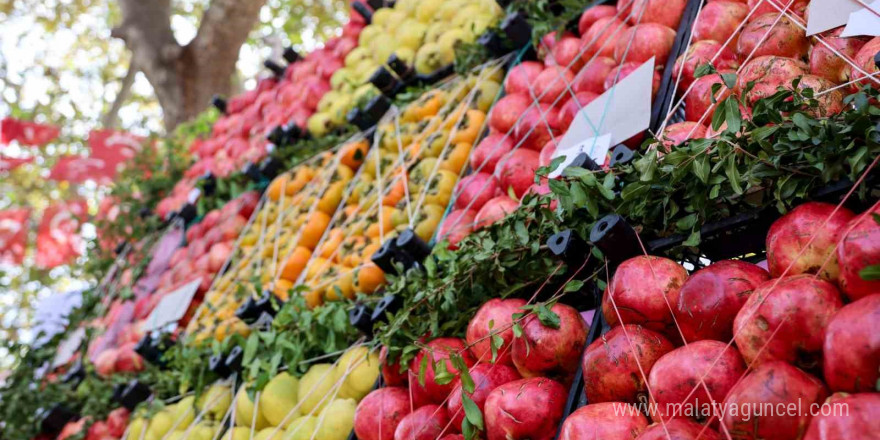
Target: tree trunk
[185,78]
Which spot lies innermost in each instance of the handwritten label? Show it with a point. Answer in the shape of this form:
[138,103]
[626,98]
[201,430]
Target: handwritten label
[172,307]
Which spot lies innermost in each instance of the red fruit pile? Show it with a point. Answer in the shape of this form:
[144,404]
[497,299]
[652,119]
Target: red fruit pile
[704,348]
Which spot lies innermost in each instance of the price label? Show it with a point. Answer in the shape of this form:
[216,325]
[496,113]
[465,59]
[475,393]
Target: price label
[865,21]
[595,147]
[172,307]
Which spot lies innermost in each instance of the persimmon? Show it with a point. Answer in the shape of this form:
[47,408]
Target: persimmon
[369,278]
[383,223]
[351,249]
[277,187]
[314,229]
[470,126]
[429,218]
[295,263]
[353,154]
[439,190]
[314,298]
[281,289]
[331,243]
[428,105]
[435,143]
[341,283]
[301,178]
[332,197]
[454,159]
[342,173]
[395,193]
[316,268]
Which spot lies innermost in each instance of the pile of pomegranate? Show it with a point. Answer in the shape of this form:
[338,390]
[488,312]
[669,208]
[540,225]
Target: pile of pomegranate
[769,50]
[520,386]
[111,428]
[734,336]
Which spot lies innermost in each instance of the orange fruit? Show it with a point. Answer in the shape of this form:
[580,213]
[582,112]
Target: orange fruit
[277,187]
[282,289]
[314,229]
[314,298]
[331,198]
[328,248]
[341,282]
[316,268]
[369,278]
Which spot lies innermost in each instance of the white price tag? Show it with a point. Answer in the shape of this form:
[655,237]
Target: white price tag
[68,347]
[824,15]
[172,307]
[595,147]
[621,112]
[194,195]
[863,22]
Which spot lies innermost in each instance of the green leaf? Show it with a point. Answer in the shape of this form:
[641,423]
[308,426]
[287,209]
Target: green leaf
[521,232]
[732,173]
[467,382]
[441,375]
[703,70]
[573,286]
[701,168]
[250,348]
[876,217]
[687,222]
[693,239]
[547,317]
[729,80]
[517,330]
[472,411]
[497,343]
[423,369]
[870,273]
[732,115]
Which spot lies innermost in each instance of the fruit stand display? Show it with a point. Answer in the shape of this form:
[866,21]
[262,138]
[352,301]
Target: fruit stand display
[435,276]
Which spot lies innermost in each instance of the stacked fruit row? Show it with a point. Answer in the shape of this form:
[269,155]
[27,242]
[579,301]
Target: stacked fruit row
[239,136]
[730,335]
[765,46]
[422,34]
[317,405]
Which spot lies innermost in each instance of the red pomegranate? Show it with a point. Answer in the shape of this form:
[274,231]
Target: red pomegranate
[600,38]
[592,77]
[380,412]
[698,104]
[489,151]
[859,248]
[773,384]
[700,53]
[518,171]
[770,34]
[486,378]
[678,133]
[456,226]
[710,299]
[472,192]
[426,423]
[495,210]
[391,372]
[604,421]
[499,313]
[804,240]
[785,319]
[547,351]
[439,350]
[616,365]
[852,347]
[825,62]
[522,77]
[860,421]
[639,43]
[525,409]
[768,73]
[719,20]
[696,376]
[638,294]
[679,429]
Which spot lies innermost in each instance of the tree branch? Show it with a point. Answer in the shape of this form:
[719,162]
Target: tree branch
[110,118]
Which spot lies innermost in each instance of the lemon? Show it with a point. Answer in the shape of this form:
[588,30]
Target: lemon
[215,402]
[337,420]
[244,411]
[279,398]
[363,370]
[314,386]
[301,429]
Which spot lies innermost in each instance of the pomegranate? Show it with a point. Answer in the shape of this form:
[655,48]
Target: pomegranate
[797,7]
[507,111]
[600,38]
[865,60]
[665,12]
[570,109]
[495,210]
[456,226]
[391,372]
[859,248]
[678,133]
[592,14]
[830,102]
[567,53]
[829,65]
[548,351]
[852,347]
[525,409]
[472,192]
[679,429]
[768,73]
[536,127]
[611,371]
[548,43]
[804,240]
[696,376]
[105,362]
[117,421]
[518,171]
[380,412]
[698,102]
[489,151]
[127,360]
[551,84]
[426,423]
[592,77]
[486,378]
[639,43]
[719,20]
[638,291]
[772,384]
[604,421]
[439,350]
[625,70]
[709,300]
[785,319]
[861,420]
[700,53]
[547,153]
[522,77]
[498,312]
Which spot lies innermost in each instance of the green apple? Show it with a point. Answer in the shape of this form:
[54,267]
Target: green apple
[302,428]
[478,24]
[328,99]
[395,17]
[319,124]
[160,424]
[410,34]
[427,9]
[315,388]
[338,420]
[365,91]
[433,56]
[339,110]
[368,33]
[491,7]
